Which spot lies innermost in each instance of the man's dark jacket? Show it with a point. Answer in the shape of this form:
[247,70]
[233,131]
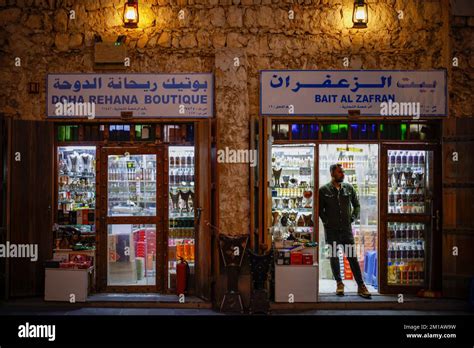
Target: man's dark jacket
[338,208]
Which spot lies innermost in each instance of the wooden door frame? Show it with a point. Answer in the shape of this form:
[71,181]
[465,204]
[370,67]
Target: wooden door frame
[104,220]
[204,236]
[427,218]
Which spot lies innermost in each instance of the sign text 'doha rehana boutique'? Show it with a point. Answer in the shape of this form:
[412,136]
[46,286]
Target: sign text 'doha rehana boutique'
[143,95]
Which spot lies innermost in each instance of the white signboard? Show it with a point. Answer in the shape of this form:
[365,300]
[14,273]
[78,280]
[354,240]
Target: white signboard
[335,92]
[144,95]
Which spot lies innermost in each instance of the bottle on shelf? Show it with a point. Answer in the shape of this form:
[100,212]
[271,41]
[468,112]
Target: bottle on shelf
[410,159]
[404,158]
[421,159]
[398,159]
[189,159]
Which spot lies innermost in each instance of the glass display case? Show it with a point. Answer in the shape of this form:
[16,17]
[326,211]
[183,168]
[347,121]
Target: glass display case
[131,185]
[76,198]
[409,181]
[406,253]
[360,164]
[410,193]
[181,233]
[292,191]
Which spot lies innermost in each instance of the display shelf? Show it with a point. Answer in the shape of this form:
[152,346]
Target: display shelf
[289,206]
[125,181]
[181,188]
[289,210]
[294,168]
[76,182]
[78,176]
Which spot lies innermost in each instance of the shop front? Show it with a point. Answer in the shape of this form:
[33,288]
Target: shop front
[130,186]
[314,119]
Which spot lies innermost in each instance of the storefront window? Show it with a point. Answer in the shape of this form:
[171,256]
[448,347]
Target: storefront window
[144,132]
[179,133]
[364,131]
[304,131]
[281,131]
[334,131]
[93,133]
[68,133]
[393,131]
[423,132]
[119,132]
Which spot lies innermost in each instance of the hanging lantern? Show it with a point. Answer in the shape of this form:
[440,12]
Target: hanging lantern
[130,14]
[360,15]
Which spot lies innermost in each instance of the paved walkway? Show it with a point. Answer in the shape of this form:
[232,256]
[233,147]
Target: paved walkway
[58,311]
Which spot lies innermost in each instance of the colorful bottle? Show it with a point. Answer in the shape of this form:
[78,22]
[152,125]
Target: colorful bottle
[179,249]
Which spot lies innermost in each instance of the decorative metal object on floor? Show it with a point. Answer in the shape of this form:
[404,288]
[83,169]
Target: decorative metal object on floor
[260,266]
[232,249]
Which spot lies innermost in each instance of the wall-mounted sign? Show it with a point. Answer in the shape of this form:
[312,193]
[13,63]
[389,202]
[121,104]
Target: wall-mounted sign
[145,95]
[336,92]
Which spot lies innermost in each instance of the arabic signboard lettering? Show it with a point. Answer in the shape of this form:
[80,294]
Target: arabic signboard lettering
[335,92]
[145,95]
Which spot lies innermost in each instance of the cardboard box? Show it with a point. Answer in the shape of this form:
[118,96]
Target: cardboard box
[296,258]
[307,259]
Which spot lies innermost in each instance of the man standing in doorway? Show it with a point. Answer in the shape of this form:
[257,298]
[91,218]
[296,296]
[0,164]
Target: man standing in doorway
[338,209]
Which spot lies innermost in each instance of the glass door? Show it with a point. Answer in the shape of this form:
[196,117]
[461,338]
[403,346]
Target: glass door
[134,181]
[410,216]
[360,165]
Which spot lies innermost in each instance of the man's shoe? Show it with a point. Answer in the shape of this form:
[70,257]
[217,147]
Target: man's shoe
[340,289]
[363,292]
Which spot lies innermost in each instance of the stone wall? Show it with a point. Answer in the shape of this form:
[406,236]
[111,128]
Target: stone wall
[319,36]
